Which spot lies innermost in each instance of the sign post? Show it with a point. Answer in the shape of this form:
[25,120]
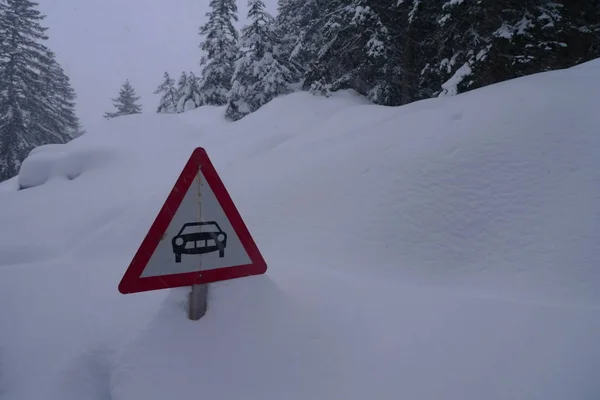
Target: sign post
[198,297]
[198,237]
[198,301]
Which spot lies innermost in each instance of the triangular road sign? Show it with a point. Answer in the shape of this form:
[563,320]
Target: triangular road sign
[198,236]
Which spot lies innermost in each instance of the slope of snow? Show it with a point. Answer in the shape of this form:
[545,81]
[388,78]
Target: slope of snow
[445,249]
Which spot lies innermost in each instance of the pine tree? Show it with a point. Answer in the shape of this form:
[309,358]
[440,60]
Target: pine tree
[417,42]
[77,132]
[220,46]
[259,74]
[292,24]
[188,89]
[60,113]
[539,39]
[181,83]
[583,37]
[398,51]
[591,21]
[464,40]
[401,40]
[169,95]
[356,49]
[489,41]
[126,103]
[36,101]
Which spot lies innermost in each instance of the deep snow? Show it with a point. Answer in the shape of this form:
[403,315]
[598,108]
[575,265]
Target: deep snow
[445,249]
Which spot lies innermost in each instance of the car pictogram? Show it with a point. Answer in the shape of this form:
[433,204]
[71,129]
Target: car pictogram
[199,238]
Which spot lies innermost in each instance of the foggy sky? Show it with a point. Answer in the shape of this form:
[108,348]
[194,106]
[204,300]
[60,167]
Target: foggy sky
[100,43]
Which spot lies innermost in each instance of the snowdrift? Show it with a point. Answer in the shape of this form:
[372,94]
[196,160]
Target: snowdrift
[445,249]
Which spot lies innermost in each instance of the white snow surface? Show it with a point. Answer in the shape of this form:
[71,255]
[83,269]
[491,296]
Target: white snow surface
[447,249]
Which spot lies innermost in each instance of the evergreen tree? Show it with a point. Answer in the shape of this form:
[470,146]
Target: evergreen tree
[259,75]
[465,38]
[489,41]
[169,95]
[220,46]
[405,40]
[126,103]
[357,49]
[399,51]
[181,83]
[60,108]
[77,132]
[591,23]
[417,44]
[188,89]
[583,37]
[292,24]
[36,101]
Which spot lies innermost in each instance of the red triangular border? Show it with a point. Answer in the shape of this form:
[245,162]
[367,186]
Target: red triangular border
[132,282]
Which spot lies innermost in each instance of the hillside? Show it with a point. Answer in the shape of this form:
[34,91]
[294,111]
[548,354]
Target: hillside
[444,249]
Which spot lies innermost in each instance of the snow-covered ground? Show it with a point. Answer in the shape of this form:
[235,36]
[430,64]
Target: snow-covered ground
[443,250]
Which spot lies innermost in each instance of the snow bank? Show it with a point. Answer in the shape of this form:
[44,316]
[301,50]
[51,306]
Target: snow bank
[54,161]
[322,336]
[445,249]
[467,192]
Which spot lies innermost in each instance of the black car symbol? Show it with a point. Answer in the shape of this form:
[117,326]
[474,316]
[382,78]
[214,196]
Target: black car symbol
[201,242]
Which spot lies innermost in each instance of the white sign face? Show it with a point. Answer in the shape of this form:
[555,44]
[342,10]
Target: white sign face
[199,238]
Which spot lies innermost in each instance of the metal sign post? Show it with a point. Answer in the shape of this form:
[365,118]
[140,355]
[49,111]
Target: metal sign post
[198,297]
[198,301]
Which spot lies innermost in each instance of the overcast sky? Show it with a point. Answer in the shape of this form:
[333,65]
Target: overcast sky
[100,43]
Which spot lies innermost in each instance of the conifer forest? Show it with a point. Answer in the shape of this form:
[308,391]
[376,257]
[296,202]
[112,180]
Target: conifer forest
[393,52]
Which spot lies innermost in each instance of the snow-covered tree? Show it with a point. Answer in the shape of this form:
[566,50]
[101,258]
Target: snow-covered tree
[356,49]
[188,89]
[591,27]
[181,83]
[36,99]
[259,74]
[583,37]
[77,132]
[126,103]
[485,42]
[292,24]
[398,51]
[169,95]
[464,39]
[417,40]
[220,47]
